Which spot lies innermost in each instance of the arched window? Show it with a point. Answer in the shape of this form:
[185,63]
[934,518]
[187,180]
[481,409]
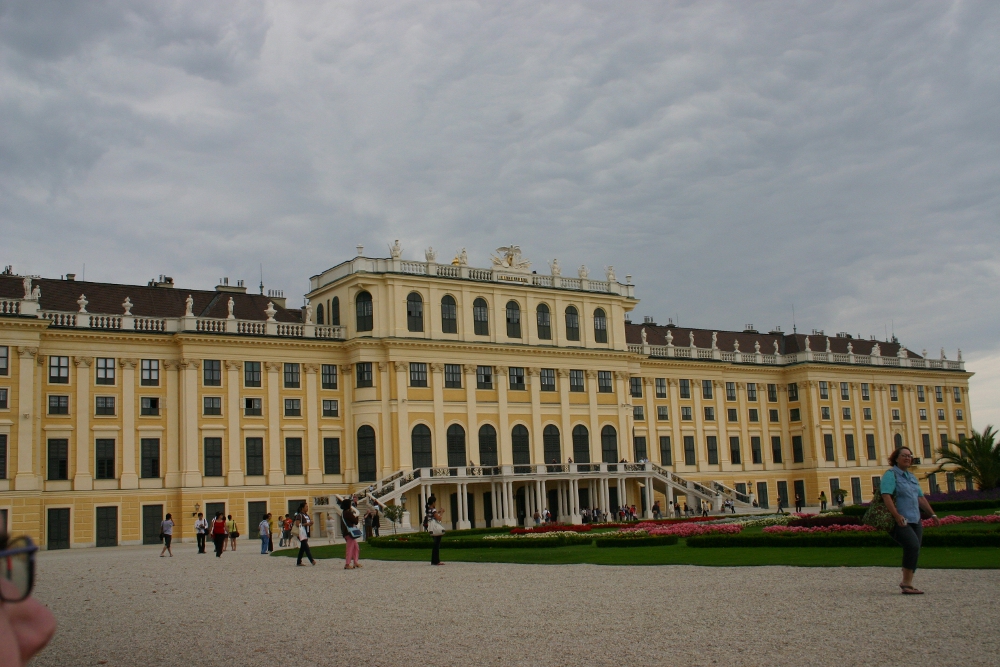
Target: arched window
[513,320]
[572,324]
[319,314]
[550,444]
[520,446]
[487,445]
[581,444]
[366,454]
[544,322]
[609,444]
[898,440]
[363,304]
[456,446]
[449,314]
[420,442]
[481,317]
[414,312]
[335,311]
[600,326]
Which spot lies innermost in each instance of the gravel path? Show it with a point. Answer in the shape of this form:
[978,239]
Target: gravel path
[125,606]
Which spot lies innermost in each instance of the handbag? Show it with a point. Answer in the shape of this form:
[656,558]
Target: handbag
[351,531]
[435,528]
[878,515]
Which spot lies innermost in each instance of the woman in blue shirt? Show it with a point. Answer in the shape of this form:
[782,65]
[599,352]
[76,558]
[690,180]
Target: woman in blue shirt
[905,509]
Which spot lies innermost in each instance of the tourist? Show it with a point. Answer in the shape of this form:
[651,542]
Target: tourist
[331,529]
[302,516]
[270,534]
[538,518]
[368,524]
[303,533]
[822,501]
[219,533]
[286,531]
[376,519]
[349,517]
[798,503]
[265,533]
[26,625]
[704,508]
[200,528]
[656,510]
[780,510]
[433,520]
[905,500]
[677,509]
[167,530]
[233,531]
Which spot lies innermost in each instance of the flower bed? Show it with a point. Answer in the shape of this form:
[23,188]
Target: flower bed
[694,519]
[830,520]
[533,535]
[553,528]
[951,520]
[842,539]
[487,542]
[679,530]
[834,528]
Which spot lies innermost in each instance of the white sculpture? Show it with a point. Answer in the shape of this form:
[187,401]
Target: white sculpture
[583,272]
[924,353]
[509,257]
[902,354]
[309,313]
[876,350]
[736,346]
[776,348]
[396,250]
[756,346]
[850,348]
[36,293]
[270,311]
[642,332]
[82,302]
[189,306]
[463,258]
[609,271]
[808,348]
[670,338]
[556,269]
[127,305]
[27,287]
[430,254]
[231,306]
[691,338]
[959,354]
[942,355]
[715,339]
[828,344]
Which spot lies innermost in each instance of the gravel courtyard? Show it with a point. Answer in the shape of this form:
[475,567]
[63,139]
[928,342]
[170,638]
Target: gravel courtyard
[125,606]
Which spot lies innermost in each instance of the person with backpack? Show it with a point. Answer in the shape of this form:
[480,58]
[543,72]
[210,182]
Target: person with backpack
[219,534]
[349,518]
[265,533]
[233,531]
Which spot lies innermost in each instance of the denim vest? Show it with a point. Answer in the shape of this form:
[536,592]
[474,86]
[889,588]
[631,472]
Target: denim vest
[907,492]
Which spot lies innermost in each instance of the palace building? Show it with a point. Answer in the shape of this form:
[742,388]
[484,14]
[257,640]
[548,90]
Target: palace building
[500,390]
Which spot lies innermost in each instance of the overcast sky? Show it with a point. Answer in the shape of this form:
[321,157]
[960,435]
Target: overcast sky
[737,159]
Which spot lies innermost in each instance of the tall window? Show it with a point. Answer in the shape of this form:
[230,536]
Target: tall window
[365,311]
[58,458]
[520,445]
[604,383]
[452,376]
[793,391]
[331,456]
[456,446]
[772,393]
[328,376]
[149,455]
[487,445]
[713,449]
[776,449]
[213,457]
[150,373]
[600,326]
[639,447]
[335,311]
[484,377]
[319,314]
[255,456]
[449,314]
[849,445]
[104,458]
[845,391]
[548,379]
[212,372]
[870,446]
[938,394]
[925,439]
[635,387]
[689,450]
[418,374]
[731,391]
[292,376]
[105,371]
[661,387]
[865,392]
[544,320]
[824,390]
[663,413]
[551,445]
[706,389]
[755,453]
[797,454]
[59,370]
[513,320]
[420,446]
[516,378]
[367,465]
[481,317]
[893,392]
[581,444]
[734,449]
[572,323]
[293,456]
[609,444]
[4,360]
[364,374]
[957,391]
[414,312]
[921,395]
[666,457]
[828,446]
[576,381]
[685,388]
[251,373]
[751,391]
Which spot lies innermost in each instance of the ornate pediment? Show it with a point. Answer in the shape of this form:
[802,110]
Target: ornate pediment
[508,258]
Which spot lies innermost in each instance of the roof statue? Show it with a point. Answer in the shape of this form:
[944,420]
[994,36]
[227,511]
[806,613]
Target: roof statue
[670,338]
[691,338]
[270,311]
[776,350]
[36,293]
[27,287]
[828,344]
[756,346]
[463,258]
[715,340]
[189,306]
[127,305]
[609,271]
[942,355]
[736,346]
[850,347]
[642,332]
[959,354]
[808,348]
[430,254]
[231,306]
[396,250]
[309,313]
[82,302]
[876,350]
[583,272]
[510,259]
[554,266]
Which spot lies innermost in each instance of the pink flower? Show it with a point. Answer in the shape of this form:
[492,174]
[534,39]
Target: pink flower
[821,529]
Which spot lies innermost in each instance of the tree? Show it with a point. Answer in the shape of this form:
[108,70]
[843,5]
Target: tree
[393,513]
[977,456]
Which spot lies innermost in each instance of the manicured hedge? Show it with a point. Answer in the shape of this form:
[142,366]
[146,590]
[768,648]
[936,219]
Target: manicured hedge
[951,506]
[855,510]
[653,541]
[931,539]
[513,543]
[835,520]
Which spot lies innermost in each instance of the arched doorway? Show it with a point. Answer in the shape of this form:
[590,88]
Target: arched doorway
[367,467]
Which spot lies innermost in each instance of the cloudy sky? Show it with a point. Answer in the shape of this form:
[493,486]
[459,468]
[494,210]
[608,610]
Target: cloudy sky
[737,159]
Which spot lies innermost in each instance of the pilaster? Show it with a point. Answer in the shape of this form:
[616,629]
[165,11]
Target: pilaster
[171,448]
[83,479]
[314,474]
[506,454]
[129,476]
[26,479]
[191,474]
[440,437]
[402,416]
[234,474]
[275,469]
[537,448]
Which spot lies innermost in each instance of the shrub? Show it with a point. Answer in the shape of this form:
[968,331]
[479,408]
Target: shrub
[992,494]
[654,541]
[553,528]
[480,543]
[842,540]
[835,520]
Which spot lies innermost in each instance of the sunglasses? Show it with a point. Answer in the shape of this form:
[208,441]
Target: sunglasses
[17,569]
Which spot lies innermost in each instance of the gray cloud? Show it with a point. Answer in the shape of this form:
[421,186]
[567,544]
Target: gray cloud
[735,159]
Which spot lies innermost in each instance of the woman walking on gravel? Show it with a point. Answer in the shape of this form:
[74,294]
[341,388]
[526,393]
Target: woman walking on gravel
[435,528]
[219,533]
[904,499]
[233,531]
[350,520]
[265,533]
[167,530]
[303,544]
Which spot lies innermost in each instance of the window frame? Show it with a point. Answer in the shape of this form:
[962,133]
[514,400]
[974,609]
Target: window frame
[213,410]
[452,376]
[547,379]
[211,372]
[515,376]
[328,376]
[513,310]
[331,456]
[543,322]
[449,315]
[149,406]
[293,456]
[577,381]
[104,463]
[605,382]
[101,371]
[252,376]
[212,458]
[418,374]
[58,369]
[364,377]
[254,460]
[364,312]
[572,317]
[484,377]
[600,326]
[480,317]
[291,375]
[149,465]
[660,387]
[149,372]
[663,413]
[253,406]
[730,391]
[292,407]
[415,312]
[331,407]
[58,404]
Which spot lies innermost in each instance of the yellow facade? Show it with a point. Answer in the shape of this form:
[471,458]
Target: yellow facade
[192,441]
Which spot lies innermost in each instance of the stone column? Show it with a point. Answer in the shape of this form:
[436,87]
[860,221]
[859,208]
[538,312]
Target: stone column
[235,474]
[505,454]
[402,417]
[440,435]
[566,424]
[190,463]
[170,447]
[511,505]
[624,414]
[129,478]
[464,504]
[537,446]
[314,473]
[386,458]
[472,419]
[27,478]
[83,479]
[275,469]
[595,425]
[350,462]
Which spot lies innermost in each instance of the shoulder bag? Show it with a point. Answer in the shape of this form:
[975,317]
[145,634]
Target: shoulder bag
[435,528]
[350,531]
[878,515]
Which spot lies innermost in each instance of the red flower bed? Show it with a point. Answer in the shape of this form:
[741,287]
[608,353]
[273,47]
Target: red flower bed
[553,528]
[820,521]
[660,522]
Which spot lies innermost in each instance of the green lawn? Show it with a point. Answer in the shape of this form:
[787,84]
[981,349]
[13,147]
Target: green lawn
[931,557]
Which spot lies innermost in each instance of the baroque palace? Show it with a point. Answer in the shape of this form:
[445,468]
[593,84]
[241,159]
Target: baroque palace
[500,390]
